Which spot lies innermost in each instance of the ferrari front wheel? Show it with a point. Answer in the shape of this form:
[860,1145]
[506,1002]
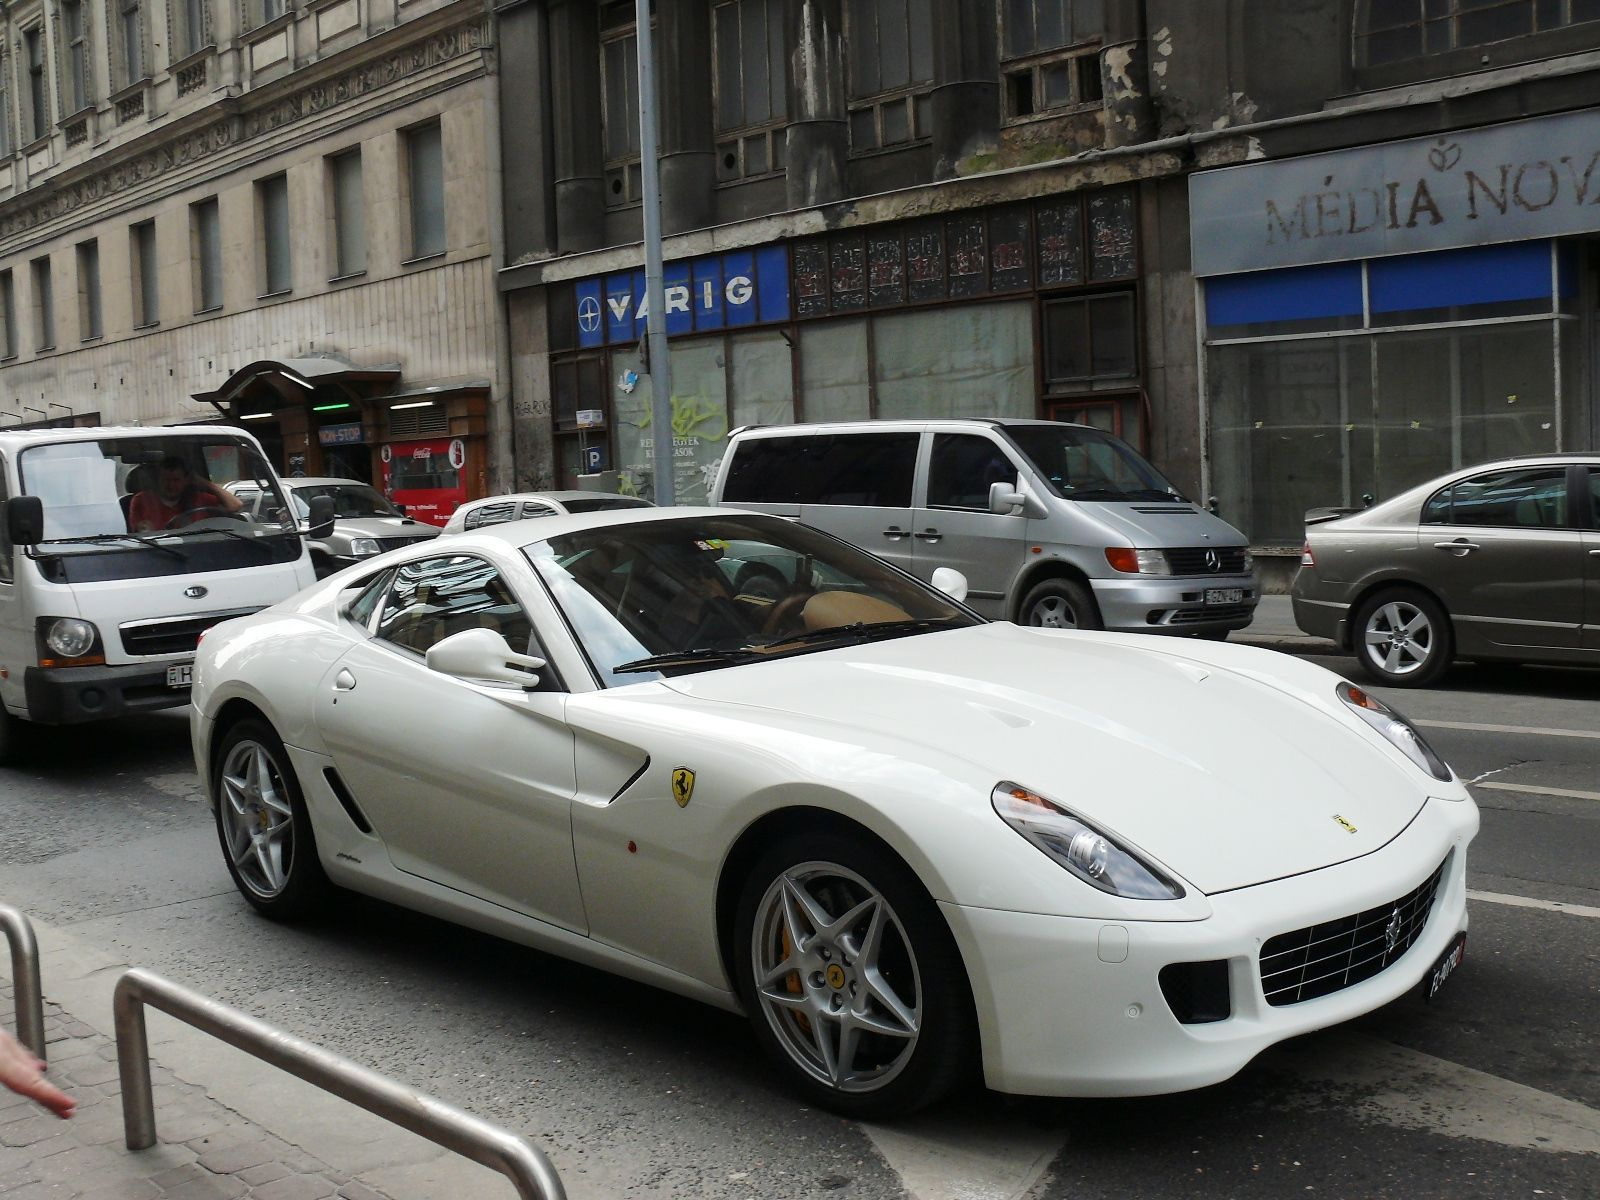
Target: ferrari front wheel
[852,979]
[263,824]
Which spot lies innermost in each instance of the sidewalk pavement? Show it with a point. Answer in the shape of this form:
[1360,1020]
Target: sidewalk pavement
[228,1126]
[1274,628]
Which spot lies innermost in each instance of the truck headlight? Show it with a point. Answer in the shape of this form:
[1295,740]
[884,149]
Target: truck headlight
[364,547]
[1092,855]
[69,637]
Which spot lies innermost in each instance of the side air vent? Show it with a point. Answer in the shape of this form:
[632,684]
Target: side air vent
[1184,509]
[346,800]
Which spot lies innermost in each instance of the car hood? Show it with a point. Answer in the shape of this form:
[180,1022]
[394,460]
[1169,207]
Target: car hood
[1226,776]
[384,527]
[1164,523]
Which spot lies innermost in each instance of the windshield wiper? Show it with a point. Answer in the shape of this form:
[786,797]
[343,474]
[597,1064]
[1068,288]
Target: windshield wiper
[108,539]
[862,630]
[686,658]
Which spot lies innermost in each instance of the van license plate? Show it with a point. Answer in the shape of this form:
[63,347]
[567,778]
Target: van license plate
[181,675]
[1224,595]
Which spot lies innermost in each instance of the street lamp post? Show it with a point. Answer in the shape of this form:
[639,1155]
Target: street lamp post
[656,309]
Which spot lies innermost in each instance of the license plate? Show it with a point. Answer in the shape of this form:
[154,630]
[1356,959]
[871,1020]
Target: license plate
[181,675]
[1445,967]
[1224,595]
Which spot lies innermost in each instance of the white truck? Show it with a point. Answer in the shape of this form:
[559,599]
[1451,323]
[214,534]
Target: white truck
[118,548]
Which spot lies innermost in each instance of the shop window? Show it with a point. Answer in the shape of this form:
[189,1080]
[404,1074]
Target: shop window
[90,323]
[970,361]
[751,76]
[1389,31]
[760,380]
[44,305]
[75,57]
[833,371]
[577,385]
[205,236]
[699,420]
[889,44]
[1050,56]
[1090,338]
[619,108]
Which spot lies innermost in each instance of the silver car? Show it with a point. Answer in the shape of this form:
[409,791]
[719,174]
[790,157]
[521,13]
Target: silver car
[365,522]
[1499,561]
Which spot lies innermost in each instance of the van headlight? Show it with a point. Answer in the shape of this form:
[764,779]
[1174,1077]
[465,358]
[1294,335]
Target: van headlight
[1092,855]
[1138,562]
[364,547]
[70,637]
[1399,732]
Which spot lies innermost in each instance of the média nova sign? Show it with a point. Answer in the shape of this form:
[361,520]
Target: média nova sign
[1527,179]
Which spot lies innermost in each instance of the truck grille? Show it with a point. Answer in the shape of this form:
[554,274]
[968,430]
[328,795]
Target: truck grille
[179,636]
[1333,955]
[1191,560]
[394,543]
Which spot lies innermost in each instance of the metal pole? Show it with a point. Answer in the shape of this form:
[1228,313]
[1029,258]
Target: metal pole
[661,459]
[26,992]
[440,1123]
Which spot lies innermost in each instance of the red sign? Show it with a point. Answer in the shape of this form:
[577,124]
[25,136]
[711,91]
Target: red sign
[427,477]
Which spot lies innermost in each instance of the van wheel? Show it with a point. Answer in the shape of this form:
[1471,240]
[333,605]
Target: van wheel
[1061,604]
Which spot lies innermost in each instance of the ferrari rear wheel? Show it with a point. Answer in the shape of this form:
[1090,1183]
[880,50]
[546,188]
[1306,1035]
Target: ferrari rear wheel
[263,824]
[852,980]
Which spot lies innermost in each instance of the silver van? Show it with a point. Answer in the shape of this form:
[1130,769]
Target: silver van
[1052,524]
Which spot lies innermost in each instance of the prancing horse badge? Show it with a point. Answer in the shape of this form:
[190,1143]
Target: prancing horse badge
[682,786]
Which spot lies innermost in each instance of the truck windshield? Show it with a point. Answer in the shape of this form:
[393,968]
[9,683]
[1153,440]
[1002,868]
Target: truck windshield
[153,496]
[1084,464]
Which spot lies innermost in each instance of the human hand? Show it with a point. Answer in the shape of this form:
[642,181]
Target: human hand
[24,1074]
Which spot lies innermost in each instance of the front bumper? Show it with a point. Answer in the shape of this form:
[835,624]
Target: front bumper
[1074,1007]
[73,695]
[1173,604]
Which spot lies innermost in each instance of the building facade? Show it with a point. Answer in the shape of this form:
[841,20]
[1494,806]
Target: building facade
[1199,226]
[261,212]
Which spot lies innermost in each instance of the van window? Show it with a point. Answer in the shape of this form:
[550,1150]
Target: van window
[868,470]
[962,468]
[767,471]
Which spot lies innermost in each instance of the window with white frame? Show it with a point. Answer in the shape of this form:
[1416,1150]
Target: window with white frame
[38,123]
[349,214]
[751,85]
[425,183]
[1050,55]
[272,220]
[74,58]
[145,277]
[889,48]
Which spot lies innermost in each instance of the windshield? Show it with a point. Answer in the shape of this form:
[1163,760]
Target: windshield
[349,500]
[121,494]
[669,596]
[1084,464]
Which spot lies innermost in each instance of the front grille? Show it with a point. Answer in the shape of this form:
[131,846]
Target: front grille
[394,543]
[1191,560]
[1213,612]
[1333,955]
[173,637]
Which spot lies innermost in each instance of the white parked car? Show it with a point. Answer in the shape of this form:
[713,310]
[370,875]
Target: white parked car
[904,840]
[524,506]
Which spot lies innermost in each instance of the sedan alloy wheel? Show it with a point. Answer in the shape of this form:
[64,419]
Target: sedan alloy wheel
[1405,639]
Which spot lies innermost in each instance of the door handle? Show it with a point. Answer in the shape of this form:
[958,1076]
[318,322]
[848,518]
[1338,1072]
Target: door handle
[1459,547]
[930,535]
[344,681]
[894,533]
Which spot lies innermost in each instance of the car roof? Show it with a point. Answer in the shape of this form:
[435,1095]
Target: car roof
[295,481]
[519,534]
[968,423]
[98,433]
[559,495]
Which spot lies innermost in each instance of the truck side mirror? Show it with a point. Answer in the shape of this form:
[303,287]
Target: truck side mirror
[321,523]
[25,520]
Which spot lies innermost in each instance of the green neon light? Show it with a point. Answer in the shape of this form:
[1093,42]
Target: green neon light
[328,407]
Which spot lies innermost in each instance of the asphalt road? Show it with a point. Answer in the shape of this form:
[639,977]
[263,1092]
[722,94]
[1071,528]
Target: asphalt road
[1492,1091]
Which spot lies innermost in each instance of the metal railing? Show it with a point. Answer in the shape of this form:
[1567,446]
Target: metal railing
[27,995]
[441,1123]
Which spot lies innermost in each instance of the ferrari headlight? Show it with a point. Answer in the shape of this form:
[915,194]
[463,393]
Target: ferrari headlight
[1093,856]
[1399,732]
[69,637]
[364,547]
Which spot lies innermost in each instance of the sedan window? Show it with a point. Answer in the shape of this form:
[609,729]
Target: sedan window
[1519,498]
[429,600]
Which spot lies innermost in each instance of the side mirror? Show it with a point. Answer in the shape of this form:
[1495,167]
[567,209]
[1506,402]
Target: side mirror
[1212,506]
[321,523]
[25,520]
[482,654]
[1004,498]
[951,581]
[401,509]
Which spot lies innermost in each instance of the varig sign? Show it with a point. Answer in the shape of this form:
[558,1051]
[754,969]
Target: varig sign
[720,291]
[1522,180]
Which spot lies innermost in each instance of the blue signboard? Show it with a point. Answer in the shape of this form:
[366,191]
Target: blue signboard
[720,291]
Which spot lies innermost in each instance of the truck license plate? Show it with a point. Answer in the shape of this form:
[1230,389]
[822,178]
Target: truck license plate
[181,675]
[1224,595]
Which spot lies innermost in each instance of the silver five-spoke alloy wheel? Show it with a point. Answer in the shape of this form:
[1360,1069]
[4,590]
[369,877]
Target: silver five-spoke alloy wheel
[836,977]
[1399,637]
[257,819]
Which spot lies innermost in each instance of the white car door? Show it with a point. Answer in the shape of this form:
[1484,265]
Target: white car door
[469,785]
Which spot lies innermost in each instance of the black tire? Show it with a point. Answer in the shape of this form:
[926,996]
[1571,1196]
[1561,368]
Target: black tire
[915,960]
[1060,604]
[10,737]
[280,875]
[1402,638]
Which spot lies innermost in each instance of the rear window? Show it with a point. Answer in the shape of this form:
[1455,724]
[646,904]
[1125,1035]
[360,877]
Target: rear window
[603,504]
[872,470]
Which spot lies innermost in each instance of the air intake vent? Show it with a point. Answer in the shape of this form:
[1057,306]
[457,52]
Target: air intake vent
[432,421]
[1187,510]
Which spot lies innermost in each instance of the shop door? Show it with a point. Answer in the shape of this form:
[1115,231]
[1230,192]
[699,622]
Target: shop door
[348,462]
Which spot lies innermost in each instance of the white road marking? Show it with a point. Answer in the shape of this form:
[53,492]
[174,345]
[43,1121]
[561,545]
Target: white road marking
[1577,910]
[1529,790]
[1474,727]
[950,1158]
[1418,1091]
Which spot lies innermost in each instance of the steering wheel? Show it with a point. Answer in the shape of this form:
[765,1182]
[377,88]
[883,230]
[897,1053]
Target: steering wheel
[785,614]
[205,510]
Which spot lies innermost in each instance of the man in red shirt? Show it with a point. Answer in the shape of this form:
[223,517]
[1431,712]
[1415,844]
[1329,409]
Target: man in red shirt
[179,499]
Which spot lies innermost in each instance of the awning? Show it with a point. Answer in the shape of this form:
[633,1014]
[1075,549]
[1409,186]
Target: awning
[276,382]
